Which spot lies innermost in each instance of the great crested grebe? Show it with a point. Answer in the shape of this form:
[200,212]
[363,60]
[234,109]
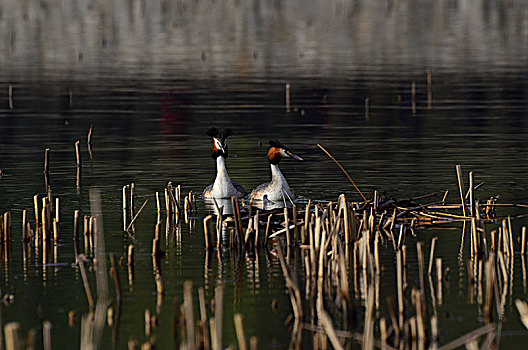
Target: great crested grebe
[222,187]
[277,189]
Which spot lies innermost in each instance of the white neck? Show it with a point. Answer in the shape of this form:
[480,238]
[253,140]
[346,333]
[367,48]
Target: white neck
[221,171]
[277,177]
[222,187]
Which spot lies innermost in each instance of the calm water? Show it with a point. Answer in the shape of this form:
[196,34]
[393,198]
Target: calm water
[151,77]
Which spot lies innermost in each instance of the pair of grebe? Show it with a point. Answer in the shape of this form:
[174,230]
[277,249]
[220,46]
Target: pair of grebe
[275,190]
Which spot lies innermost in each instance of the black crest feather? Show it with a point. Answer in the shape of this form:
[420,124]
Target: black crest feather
[213,132]
[276,143]
[224,134]
[221,135]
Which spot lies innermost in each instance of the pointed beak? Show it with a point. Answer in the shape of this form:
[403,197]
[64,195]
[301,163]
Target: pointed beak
[294,156]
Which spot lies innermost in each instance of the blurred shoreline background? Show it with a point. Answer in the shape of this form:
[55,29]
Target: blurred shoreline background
[76,38]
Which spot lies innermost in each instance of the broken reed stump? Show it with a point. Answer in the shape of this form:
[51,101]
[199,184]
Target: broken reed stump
[89,137]
[12,336]
[413,97]
[429,88]
[89,142]
[11,103]
[367,108]
[114,273]
[46,333]
[130,264]
[131,207]
[431,255]
[5,229]
[78,155]
[36,208]
[288,100]
[46,161]
[218,318]
[24,226]
[523,241]
[239,328]
[203,318]
[125,206]
[189,314]
[208,237]
[76,225]
[471,195]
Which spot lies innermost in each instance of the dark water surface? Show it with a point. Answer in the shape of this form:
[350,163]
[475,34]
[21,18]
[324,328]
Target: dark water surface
[151,77]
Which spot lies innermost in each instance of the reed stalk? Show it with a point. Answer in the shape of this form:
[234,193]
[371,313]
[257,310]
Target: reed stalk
[439,270]
[421,267]
[46,161]
[287,226]
[239,327]
[55,231]
[85,283]
[132,202]
[413,97]
[218,319]
[490,287]
[368,333]
[89,138]
[125,208]
[256,227]
[78,154]
[461,188]
[383,333]
[471,195]
[367,108]
[342,169]
[207,236]
[136,216]
[189,314]
[12,336]
[46,333]
[288,99]
[114,273]
[253,343]
[212,327]
[399,286]
[468,337]
[203,318]
[429,88]
[10,94]
[523,241]
[24,226]
[148,322]
[431,255]
[36,207]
